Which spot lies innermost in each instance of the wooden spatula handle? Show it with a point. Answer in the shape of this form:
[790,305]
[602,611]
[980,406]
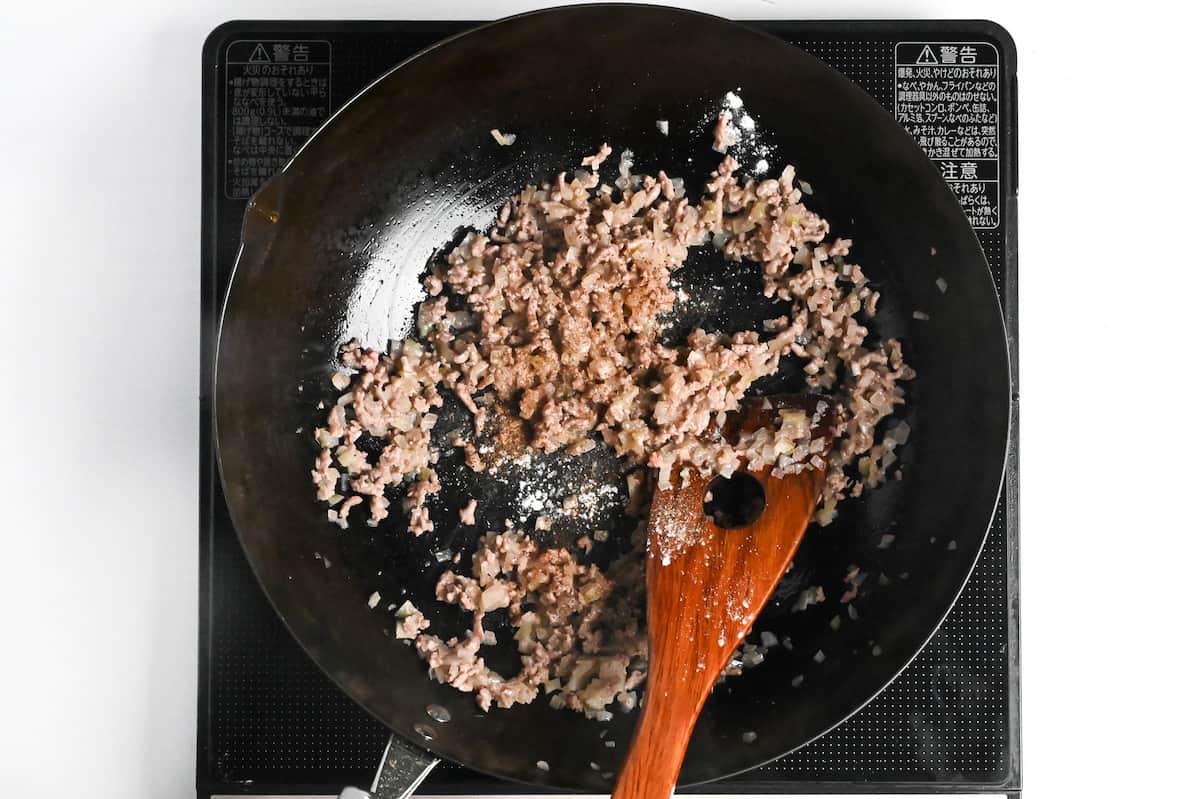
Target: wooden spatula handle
[657,751]
[690,648]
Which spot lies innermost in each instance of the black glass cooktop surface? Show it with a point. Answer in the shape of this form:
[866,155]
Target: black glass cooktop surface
[271,723]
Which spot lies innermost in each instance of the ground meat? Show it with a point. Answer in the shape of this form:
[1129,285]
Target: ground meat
[324,476]
[579,631]
[467,513]
[555,346]
[391,399]
[594,161]
[409,621]
[723,135]
[347,505]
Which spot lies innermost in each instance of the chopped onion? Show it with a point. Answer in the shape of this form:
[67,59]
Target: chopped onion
[809,596]
[624,166]
[664,126]
[373,599]
[942,284]
[503,139]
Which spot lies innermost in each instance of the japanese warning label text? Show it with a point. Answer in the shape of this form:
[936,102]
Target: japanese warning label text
[948,97]
[276,94]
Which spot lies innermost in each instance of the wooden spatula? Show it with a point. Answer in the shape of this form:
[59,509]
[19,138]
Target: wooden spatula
[702,603]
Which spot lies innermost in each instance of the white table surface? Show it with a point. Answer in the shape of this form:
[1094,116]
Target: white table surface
[99,251]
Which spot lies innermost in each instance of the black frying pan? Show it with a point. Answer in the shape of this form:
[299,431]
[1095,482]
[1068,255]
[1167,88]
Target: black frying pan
[333,247]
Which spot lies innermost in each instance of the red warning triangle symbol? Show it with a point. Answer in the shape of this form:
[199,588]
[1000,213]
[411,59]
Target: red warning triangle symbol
[259,56]
[926,56]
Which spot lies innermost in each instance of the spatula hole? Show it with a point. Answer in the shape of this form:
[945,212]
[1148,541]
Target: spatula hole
[734,501]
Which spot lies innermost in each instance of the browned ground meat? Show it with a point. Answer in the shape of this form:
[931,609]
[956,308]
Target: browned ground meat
[578,630]
[723,135]
[564,298]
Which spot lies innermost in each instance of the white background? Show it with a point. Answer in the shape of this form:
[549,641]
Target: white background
[99,247]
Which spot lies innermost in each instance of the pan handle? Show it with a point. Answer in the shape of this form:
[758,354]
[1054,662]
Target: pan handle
[403,767]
